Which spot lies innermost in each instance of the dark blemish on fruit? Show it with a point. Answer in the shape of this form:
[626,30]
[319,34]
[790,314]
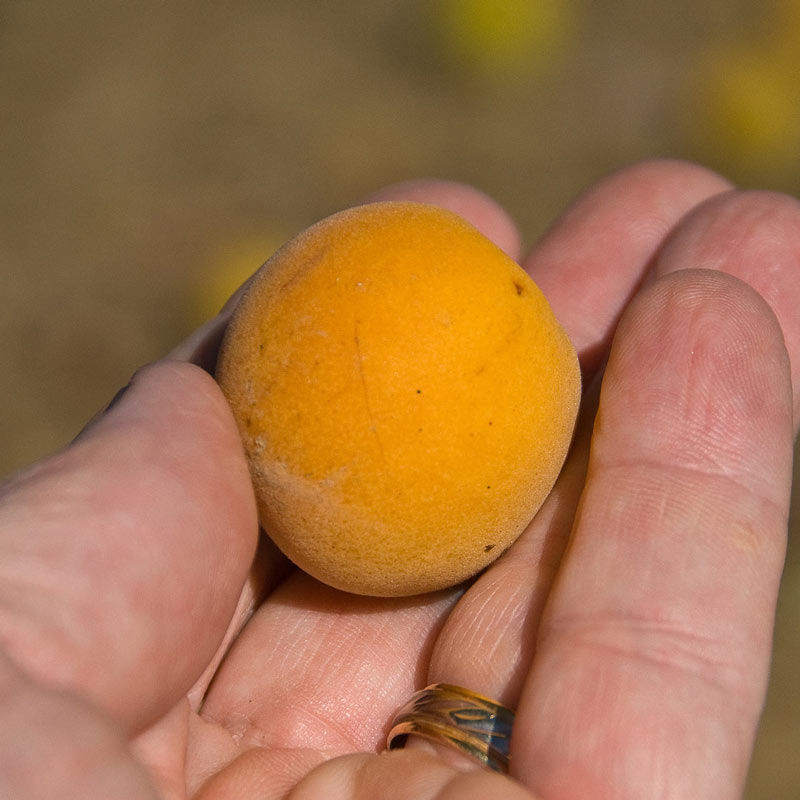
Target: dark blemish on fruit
[520,289]
[488,547]
[488,486]
[419,391]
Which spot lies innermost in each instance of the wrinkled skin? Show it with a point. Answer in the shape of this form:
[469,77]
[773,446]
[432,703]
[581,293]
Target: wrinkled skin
[150,648]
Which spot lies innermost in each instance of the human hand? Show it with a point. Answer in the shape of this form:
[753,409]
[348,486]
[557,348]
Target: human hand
[148,649]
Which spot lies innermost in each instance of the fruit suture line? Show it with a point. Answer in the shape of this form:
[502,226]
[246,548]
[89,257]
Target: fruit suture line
[371,416]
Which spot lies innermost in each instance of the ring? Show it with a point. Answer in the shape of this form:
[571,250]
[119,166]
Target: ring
[459,718]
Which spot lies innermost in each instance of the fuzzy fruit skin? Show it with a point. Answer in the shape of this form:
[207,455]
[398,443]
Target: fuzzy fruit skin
[405,396]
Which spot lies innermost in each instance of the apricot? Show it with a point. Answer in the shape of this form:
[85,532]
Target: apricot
[405,396]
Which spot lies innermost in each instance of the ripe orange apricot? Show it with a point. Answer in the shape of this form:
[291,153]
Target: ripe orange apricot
[405,395]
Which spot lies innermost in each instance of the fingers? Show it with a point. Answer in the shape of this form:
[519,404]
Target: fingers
[588,265]
[593,259]
[124,555]
[653,652]
[52,744]
[754,236]
[401,775]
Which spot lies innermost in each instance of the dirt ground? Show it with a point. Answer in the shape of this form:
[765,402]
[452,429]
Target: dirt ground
[149,150]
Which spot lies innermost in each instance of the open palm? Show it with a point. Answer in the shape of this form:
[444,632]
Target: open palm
[151,647]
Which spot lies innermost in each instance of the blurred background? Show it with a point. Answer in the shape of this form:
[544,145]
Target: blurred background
[154,154]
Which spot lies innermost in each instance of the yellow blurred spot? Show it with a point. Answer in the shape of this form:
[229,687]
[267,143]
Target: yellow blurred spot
[752,110]
[227,270]
[743,107]
[502,38]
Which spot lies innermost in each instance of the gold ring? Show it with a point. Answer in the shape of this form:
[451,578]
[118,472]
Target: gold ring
[459,718]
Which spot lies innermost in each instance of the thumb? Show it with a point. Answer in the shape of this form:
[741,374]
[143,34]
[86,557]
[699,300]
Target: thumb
[53,744]
[124,555]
